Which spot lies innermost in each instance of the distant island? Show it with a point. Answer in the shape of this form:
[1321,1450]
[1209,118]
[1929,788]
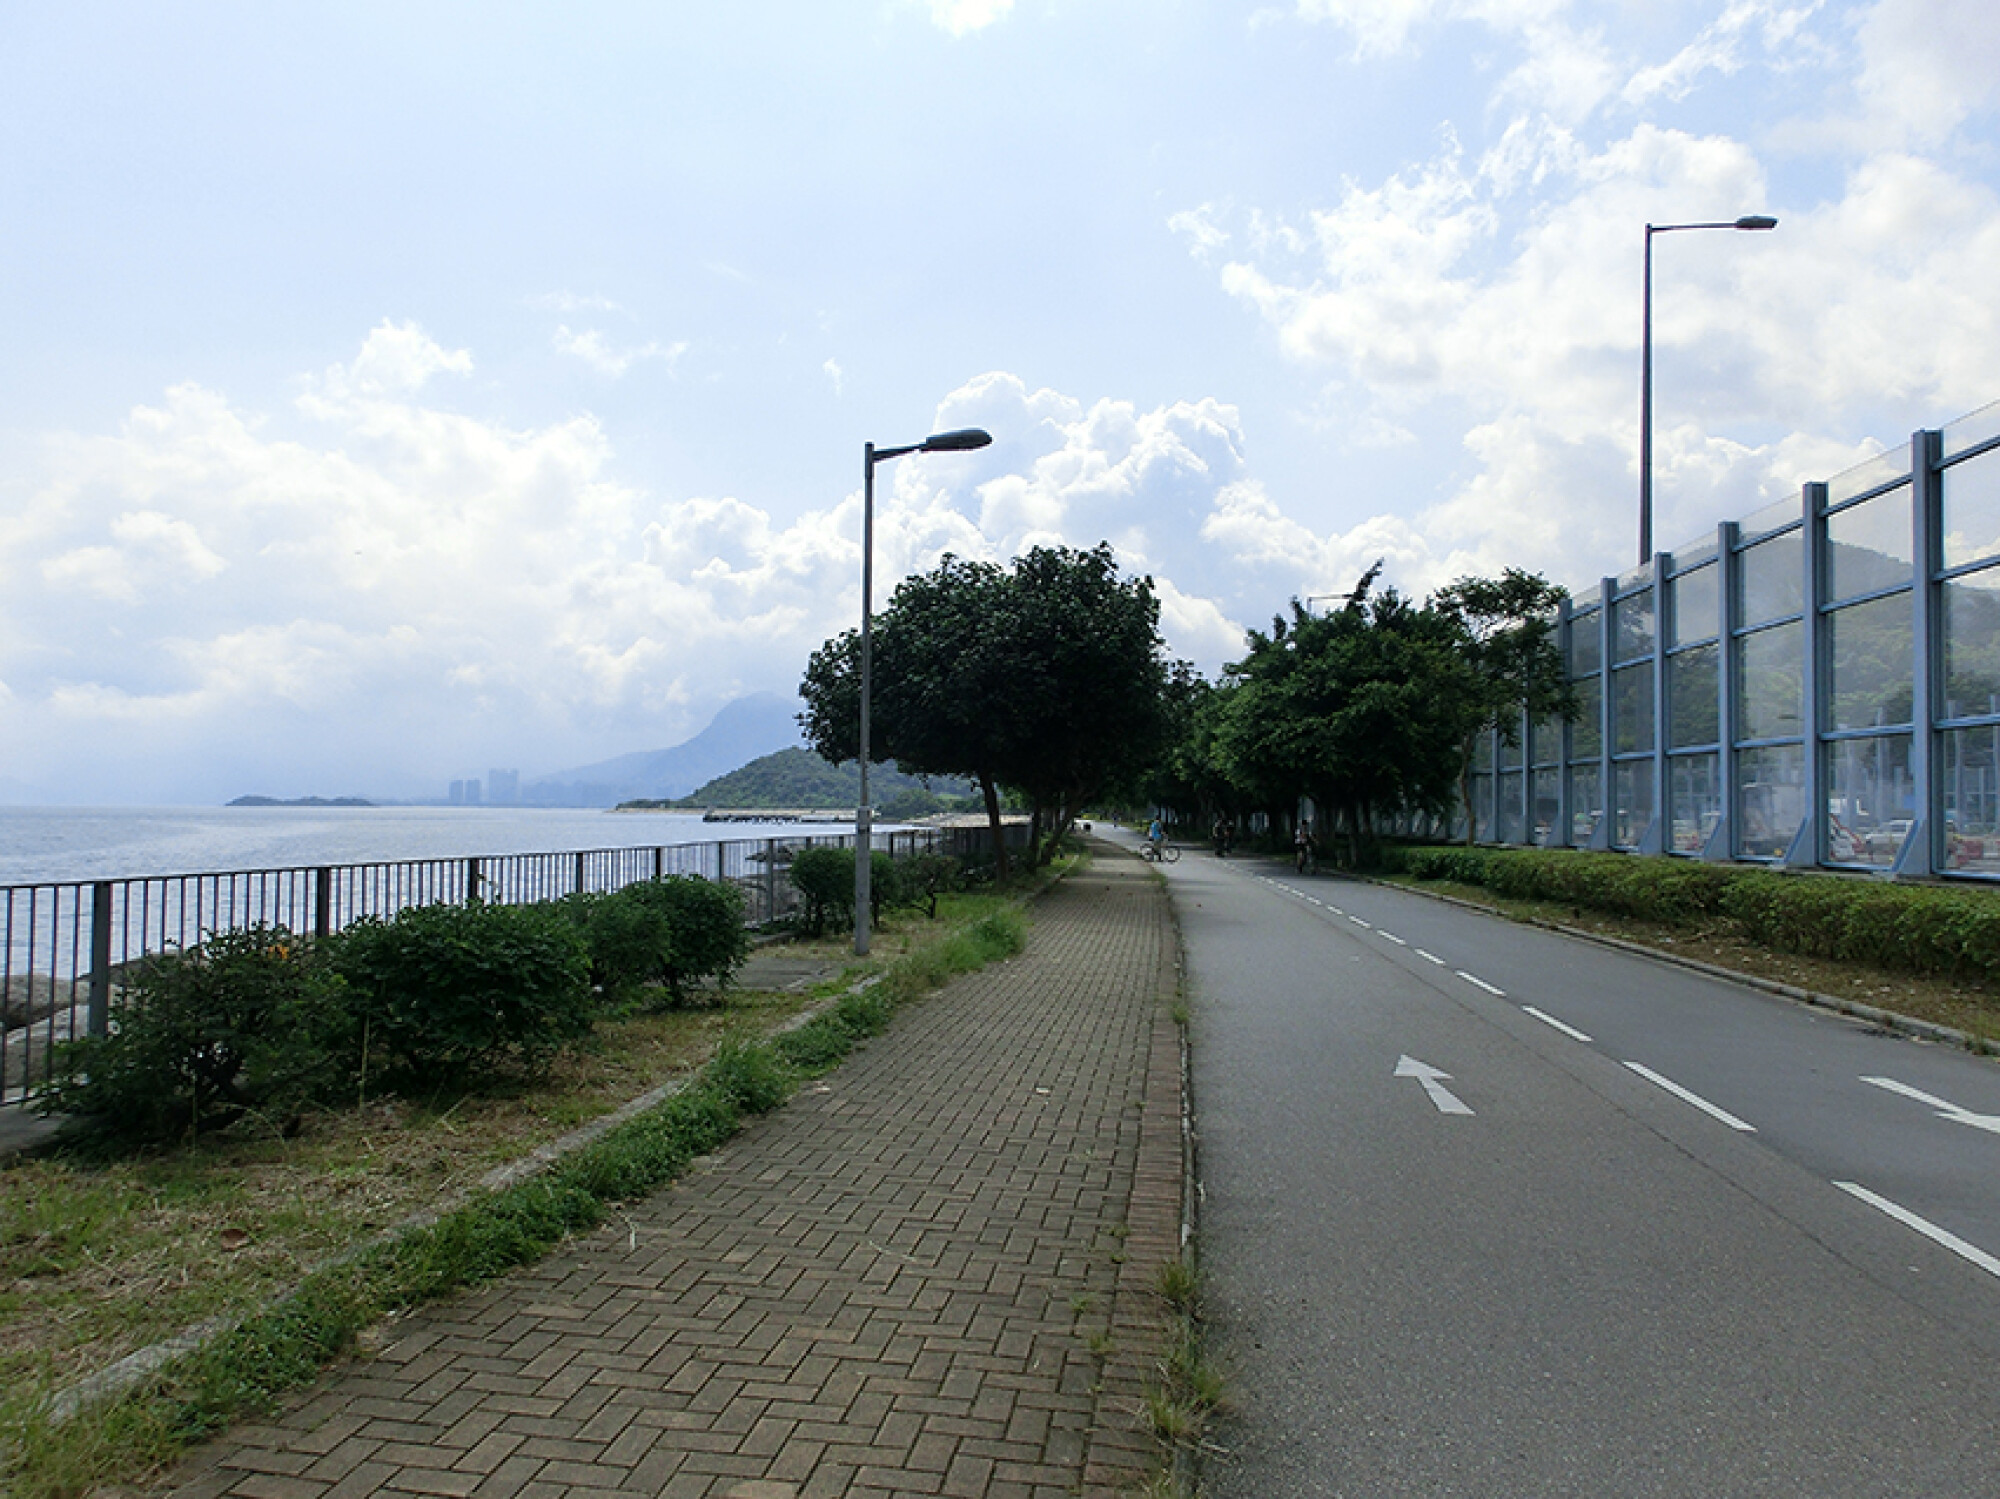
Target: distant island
[300,801]
[797,780]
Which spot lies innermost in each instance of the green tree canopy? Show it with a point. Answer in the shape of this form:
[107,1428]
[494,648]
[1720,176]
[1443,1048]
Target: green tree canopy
[1045,678]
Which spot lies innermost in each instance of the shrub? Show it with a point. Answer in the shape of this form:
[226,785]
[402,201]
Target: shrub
[443,991]
[248,1021]
[678,931]
[824,878]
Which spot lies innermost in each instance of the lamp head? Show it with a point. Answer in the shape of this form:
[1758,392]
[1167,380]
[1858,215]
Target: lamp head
[952,442]
[1755,221]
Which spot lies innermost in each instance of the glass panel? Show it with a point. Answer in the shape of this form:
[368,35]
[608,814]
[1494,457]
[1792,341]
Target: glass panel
[1587,599]
[1770,799]
[1697,605]
[1770,518]
[1982,425]
[1632,627]
[1770,680]
[1542,824]
[1586,648]
[1482,753]
[1632,709]
[1694,714]
[1482,807]
[1884,468]
[1630,582]
[1586,805]
[1586,730]
[1972,509]
[1869,668]
[1694,792]
[1511,755]
[1971,792]
[1509,826]
[1546,742]
[1870,803]
[1869,547]
[1634,781]
[1694,555]
[1972,645]
[1771,581]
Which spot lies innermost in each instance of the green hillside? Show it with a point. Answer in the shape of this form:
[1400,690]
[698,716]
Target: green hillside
[798,780]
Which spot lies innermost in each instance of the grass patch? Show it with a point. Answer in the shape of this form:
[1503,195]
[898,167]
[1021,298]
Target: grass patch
[1186,1390]
[102,1257]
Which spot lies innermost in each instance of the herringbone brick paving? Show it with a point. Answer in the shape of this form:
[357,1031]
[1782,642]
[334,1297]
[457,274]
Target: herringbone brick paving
[899,1284]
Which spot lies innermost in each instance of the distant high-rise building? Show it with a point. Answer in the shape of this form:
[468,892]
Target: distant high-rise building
[503,787]
[456,796]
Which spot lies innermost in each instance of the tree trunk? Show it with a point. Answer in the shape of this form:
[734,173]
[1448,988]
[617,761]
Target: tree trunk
[992,795]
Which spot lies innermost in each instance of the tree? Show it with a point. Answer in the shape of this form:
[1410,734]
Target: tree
[1086,705]
[1506,662]
[1344,708]
[1045,679]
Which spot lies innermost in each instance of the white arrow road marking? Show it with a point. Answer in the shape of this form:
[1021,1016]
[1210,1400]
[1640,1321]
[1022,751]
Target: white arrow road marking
[1930,1231]
[1568,1030]
[1694,1098]
[1434,1084]
[1479,983]
[1946,1110]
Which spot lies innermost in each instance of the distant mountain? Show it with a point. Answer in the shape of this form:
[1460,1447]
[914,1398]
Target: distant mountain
[745,729]
[797,780]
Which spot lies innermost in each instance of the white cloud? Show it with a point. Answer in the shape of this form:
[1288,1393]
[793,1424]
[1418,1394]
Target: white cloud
[1928,66]
[961,16]
[595,350]
[397,358]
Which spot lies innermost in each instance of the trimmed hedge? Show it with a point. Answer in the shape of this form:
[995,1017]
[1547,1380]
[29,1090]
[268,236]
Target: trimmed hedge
[1930,930]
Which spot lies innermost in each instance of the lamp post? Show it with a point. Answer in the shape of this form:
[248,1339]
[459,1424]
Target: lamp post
[1748,221]
[864,815]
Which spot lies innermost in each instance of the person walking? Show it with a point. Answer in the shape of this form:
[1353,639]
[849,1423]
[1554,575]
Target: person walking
[1305,848]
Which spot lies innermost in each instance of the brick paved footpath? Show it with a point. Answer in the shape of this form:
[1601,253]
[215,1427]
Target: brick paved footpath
[898,1284]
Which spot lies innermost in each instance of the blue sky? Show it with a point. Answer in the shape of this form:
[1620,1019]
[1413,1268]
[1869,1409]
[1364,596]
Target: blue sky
[388,392]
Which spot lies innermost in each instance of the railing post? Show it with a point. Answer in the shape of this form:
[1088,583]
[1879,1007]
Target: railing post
[322,902]
[1721,844]
[1809,846]
[472,878]
[577,886]
[1926,848]
[98,1016]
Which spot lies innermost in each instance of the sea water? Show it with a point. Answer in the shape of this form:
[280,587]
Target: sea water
[66,844]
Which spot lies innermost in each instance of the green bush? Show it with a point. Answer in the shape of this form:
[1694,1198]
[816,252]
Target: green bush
[678,932]
[824,878]
[444,992]
[246,1022]
[1920,929]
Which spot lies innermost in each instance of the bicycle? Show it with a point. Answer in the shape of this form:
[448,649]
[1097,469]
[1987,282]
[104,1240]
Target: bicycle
[1159,853]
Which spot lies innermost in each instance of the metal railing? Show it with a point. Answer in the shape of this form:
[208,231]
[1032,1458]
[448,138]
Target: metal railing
[64,946]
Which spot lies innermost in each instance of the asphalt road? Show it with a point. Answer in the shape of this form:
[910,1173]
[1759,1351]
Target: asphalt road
[1492,1212]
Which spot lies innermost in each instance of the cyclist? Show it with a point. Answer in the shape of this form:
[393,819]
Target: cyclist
[1156,835]
[1305,848]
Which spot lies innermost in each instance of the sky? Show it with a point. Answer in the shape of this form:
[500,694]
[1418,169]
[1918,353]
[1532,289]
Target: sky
[393,391]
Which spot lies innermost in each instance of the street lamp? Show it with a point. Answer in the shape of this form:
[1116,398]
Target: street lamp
[864,815]
[1748,221]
